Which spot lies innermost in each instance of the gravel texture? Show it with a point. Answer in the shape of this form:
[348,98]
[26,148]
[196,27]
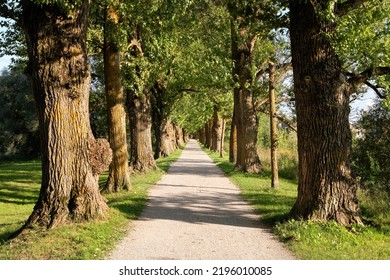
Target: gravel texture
[196,213]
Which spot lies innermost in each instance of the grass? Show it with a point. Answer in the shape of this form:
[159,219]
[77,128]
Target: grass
[19,190]
[314,240]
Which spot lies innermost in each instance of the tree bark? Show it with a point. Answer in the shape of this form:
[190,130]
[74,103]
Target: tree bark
[208,130]
[178,135]
[202,136]
[216,130]
[162,126]
[273,128]
[244,110]
[222,140]
[141,151]
[60,74]
[140,112]
[119,177]
[233,141]
[326,190]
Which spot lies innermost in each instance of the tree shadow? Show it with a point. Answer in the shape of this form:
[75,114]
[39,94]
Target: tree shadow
[18,195]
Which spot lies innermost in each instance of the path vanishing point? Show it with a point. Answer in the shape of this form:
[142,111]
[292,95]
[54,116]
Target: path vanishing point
[196,213]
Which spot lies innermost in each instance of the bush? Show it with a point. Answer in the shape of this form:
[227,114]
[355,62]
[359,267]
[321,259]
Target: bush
[370,159]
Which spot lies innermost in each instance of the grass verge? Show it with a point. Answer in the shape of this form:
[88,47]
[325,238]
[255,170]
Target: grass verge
[19,190]
[313,240]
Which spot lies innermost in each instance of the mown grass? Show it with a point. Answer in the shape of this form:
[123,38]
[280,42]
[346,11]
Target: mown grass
[314,240]
[19,190]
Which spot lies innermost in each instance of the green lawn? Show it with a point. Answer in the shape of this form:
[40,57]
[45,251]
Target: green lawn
[19,190]
[310,240]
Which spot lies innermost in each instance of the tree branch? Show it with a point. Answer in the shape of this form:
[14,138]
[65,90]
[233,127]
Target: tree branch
[280,118]
[376,90]
[342,9]
[357,79]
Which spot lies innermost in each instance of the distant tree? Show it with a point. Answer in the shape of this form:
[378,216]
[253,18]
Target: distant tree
[370,159]
[19,136]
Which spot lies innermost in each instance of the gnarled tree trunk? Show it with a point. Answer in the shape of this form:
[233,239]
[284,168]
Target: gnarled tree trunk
[119,177]
[163,129]
[246,120]
[326,190]
[60,74]
[139,108]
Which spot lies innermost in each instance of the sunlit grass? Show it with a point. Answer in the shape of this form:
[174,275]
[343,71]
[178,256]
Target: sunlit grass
[19,190]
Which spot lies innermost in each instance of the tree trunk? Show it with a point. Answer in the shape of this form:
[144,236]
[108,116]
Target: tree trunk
[273,128]
[221,149]
[216,131]
[119,177]
[139,108]
[202,136]
[233,141]
[186,136]
[244,110]
[208,130]
[179,135]
[60,74]
[163,128]
[326,190]
[157,120]
[168,141]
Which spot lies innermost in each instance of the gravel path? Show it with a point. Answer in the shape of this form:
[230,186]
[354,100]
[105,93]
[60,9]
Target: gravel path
[196,213]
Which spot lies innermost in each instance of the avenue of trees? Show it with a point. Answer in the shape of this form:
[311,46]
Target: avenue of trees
[146,74]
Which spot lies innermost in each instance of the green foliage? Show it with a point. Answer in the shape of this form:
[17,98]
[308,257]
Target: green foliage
[362,38]
[18,117]
[371,151]
[202,68]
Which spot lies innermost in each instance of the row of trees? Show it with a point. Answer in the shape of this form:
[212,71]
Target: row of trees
[328,54]
[59,58]
[197,64]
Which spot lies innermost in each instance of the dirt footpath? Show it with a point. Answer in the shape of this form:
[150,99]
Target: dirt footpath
[196,213]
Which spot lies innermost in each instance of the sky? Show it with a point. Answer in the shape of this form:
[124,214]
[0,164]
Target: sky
[4,62]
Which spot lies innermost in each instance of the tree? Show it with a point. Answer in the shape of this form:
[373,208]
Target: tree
[19,135]
[58,67]
[251,21]
[162,125]
[273,124]
[139,107]
[326,189]
[119,177]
